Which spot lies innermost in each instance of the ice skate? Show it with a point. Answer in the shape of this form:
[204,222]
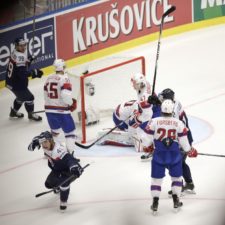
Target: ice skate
[15,114]
[34,117]
[154,206]
[188,188]
[56,190]
[170,194]
[146,157]
[176,203]
[63,206]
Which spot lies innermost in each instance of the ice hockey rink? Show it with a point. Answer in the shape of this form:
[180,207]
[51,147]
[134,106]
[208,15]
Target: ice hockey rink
[115,188]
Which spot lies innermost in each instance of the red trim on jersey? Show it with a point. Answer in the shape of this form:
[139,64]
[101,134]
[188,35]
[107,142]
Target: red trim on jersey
[144,104]
[56,107]
[67,86]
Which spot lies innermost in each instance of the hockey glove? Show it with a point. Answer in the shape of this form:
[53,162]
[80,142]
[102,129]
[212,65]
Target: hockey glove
[34,143]
[76,170]
[36,73]
[149,149]
[153,99]
[30,60]
[192,153]
[135,121]
[73,106]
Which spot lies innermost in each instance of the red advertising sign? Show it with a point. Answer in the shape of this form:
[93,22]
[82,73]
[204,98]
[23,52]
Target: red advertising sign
[109,23]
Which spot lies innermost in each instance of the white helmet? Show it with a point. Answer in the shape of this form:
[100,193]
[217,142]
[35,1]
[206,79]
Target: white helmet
[59,65]
[138,81]
[167,106]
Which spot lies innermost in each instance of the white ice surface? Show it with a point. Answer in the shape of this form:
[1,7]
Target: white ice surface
[114,190]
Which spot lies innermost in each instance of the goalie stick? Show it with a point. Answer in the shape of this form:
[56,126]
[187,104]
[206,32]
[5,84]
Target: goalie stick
[66,180]
[170,10]
[110,131]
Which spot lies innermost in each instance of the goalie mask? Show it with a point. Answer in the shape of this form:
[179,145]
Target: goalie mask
[138,81]
[59,65]
[167,106]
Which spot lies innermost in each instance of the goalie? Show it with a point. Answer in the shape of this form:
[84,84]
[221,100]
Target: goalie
[131,117]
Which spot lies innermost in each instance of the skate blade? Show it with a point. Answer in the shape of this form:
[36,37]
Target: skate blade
[145,160]
[154,213]
[189,192]
[176,210]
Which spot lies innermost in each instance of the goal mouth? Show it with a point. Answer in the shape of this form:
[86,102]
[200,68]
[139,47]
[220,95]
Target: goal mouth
[100,91]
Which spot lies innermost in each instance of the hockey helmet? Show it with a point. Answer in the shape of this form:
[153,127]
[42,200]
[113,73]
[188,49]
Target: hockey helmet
[167,94]
[138,81]
[59,65]
[20,41]
[44,136]
[167,106]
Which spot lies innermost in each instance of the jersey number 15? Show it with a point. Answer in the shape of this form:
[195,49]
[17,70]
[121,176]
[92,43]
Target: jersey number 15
[51,89]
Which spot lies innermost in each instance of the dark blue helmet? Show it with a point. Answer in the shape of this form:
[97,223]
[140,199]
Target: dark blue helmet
[20,41]
[44,136]
[167,94]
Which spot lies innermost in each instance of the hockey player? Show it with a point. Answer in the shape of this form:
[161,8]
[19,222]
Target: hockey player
[59,104]
[62,164]
[167,134]
[17,81]
[180,114]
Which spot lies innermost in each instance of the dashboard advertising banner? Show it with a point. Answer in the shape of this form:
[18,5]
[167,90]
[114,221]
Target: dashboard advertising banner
[110,23]
[208,9]
[44,44]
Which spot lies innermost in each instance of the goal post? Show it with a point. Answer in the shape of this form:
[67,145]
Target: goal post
[112,84]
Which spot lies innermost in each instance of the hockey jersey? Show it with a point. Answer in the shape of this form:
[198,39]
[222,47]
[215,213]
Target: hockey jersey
[167,134]
[17,71]
[59,160]
[58,94]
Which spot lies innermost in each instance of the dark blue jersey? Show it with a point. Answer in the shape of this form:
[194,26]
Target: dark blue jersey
[17,71]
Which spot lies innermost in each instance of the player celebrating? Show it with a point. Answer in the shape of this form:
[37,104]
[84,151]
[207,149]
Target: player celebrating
[62,164]
[167,133]
[59,104]
[17,81]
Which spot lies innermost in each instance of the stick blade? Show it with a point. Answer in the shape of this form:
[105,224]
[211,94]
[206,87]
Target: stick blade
[170,10]
[82,146]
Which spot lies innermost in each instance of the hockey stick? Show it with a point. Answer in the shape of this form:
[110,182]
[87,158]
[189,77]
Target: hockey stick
[55,188]
[33,28]
[159,42]
[41,111]
[110,131]
[207,154]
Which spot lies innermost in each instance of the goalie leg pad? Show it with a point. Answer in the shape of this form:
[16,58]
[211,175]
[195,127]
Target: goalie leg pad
[116,138]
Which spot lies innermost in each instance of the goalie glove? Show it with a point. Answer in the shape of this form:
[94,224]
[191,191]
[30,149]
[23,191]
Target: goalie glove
[34,143]
[135,121]
[192,153]
[73,106]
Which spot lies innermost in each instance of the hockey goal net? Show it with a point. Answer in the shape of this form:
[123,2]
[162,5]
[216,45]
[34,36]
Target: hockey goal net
[100,91]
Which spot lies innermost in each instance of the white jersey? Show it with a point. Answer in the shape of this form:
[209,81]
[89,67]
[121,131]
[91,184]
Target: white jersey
[178,110]
[58,152]
[166,127]
[19,58]
[58,94]
[125,110]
